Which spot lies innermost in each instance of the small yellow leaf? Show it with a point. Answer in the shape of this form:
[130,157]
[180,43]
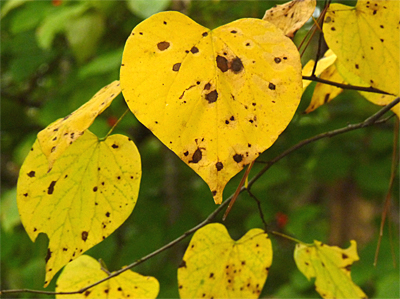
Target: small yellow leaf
[217,98]
[90,191]
[291,16]
[366,40]
[325,62]
[215,266]
[330,265]
[85,270]
[324,93]
[55,138]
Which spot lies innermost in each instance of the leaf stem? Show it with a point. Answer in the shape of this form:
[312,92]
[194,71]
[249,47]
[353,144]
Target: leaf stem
[116,123]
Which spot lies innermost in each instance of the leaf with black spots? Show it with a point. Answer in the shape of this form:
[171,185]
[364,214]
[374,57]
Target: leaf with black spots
[89,192]
[208,94]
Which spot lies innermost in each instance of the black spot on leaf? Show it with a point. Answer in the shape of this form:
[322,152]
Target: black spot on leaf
[87,293]
[186,153]
[219,166]
[50,189]
[271,86]
[222,63]
[31,174]
[238,158]
[84,235]
[197,156]
[114,146]
[162,46]
[183,264]
[277,60]
[108,214]
[233,31]
[214,192]
[94,189]
[53,149]
[205,34]
[48,255]
[344,256]
[326,99]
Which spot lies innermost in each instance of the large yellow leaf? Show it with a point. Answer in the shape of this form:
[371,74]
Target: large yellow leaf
[55,138]
[217,98]
[365,39]
[291,16]
[215,266]
[85,270]
[330,265]
[90,191]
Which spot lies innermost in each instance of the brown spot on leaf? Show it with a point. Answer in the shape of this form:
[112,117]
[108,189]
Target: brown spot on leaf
[214,192]
[326,99]
[238,158]
[95,189]
[219,166]
[176,67]
[162,46]
[194,50]
[271,86]
[237,65]
[277,60]
[197,156]
[212,96]
[84,235]
[114,146]
[204,34]
[222,63]
[31,174]
[207,86]
[186,153]
[108,214]
[233,31]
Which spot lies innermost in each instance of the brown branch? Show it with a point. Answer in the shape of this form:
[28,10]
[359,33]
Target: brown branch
[346,86]
[374,119]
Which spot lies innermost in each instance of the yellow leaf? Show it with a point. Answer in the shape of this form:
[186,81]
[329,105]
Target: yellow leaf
[291,16]
[55,138]
[325,62]
[324,93]
[216,98]
[85,270]
[90,191]
[330,265]
[365,39]
[215,266]
[376,98]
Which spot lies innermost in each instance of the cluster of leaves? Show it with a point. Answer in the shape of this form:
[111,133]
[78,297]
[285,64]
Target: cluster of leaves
[246,87]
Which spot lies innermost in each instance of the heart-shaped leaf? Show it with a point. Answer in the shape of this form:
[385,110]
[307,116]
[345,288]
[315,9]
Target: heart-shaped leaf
[217,98]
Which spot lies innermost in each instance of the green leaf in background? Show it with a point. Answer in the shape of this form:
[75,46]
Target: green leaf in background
[56,23]
[9,216]
[83,33]
[10,5]
[146,8]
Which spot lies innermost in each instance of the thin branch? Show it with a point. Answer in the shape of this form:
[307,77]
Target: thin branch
[346,86]
[368,122]
[374,119]
[259,209]
[320,38]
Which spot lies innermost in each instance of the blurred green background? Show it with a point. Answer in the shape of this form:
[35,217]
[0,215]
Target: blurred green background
[56,54]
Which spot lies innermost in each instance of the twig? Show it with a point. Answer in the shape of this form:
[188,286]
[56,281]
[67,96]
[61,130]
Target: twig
[259,208]
[368,122]
[346,86]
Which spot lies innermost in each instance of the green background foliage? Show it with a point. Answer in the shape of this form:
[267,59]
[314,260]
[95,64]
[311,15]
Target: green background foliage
[56,54]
